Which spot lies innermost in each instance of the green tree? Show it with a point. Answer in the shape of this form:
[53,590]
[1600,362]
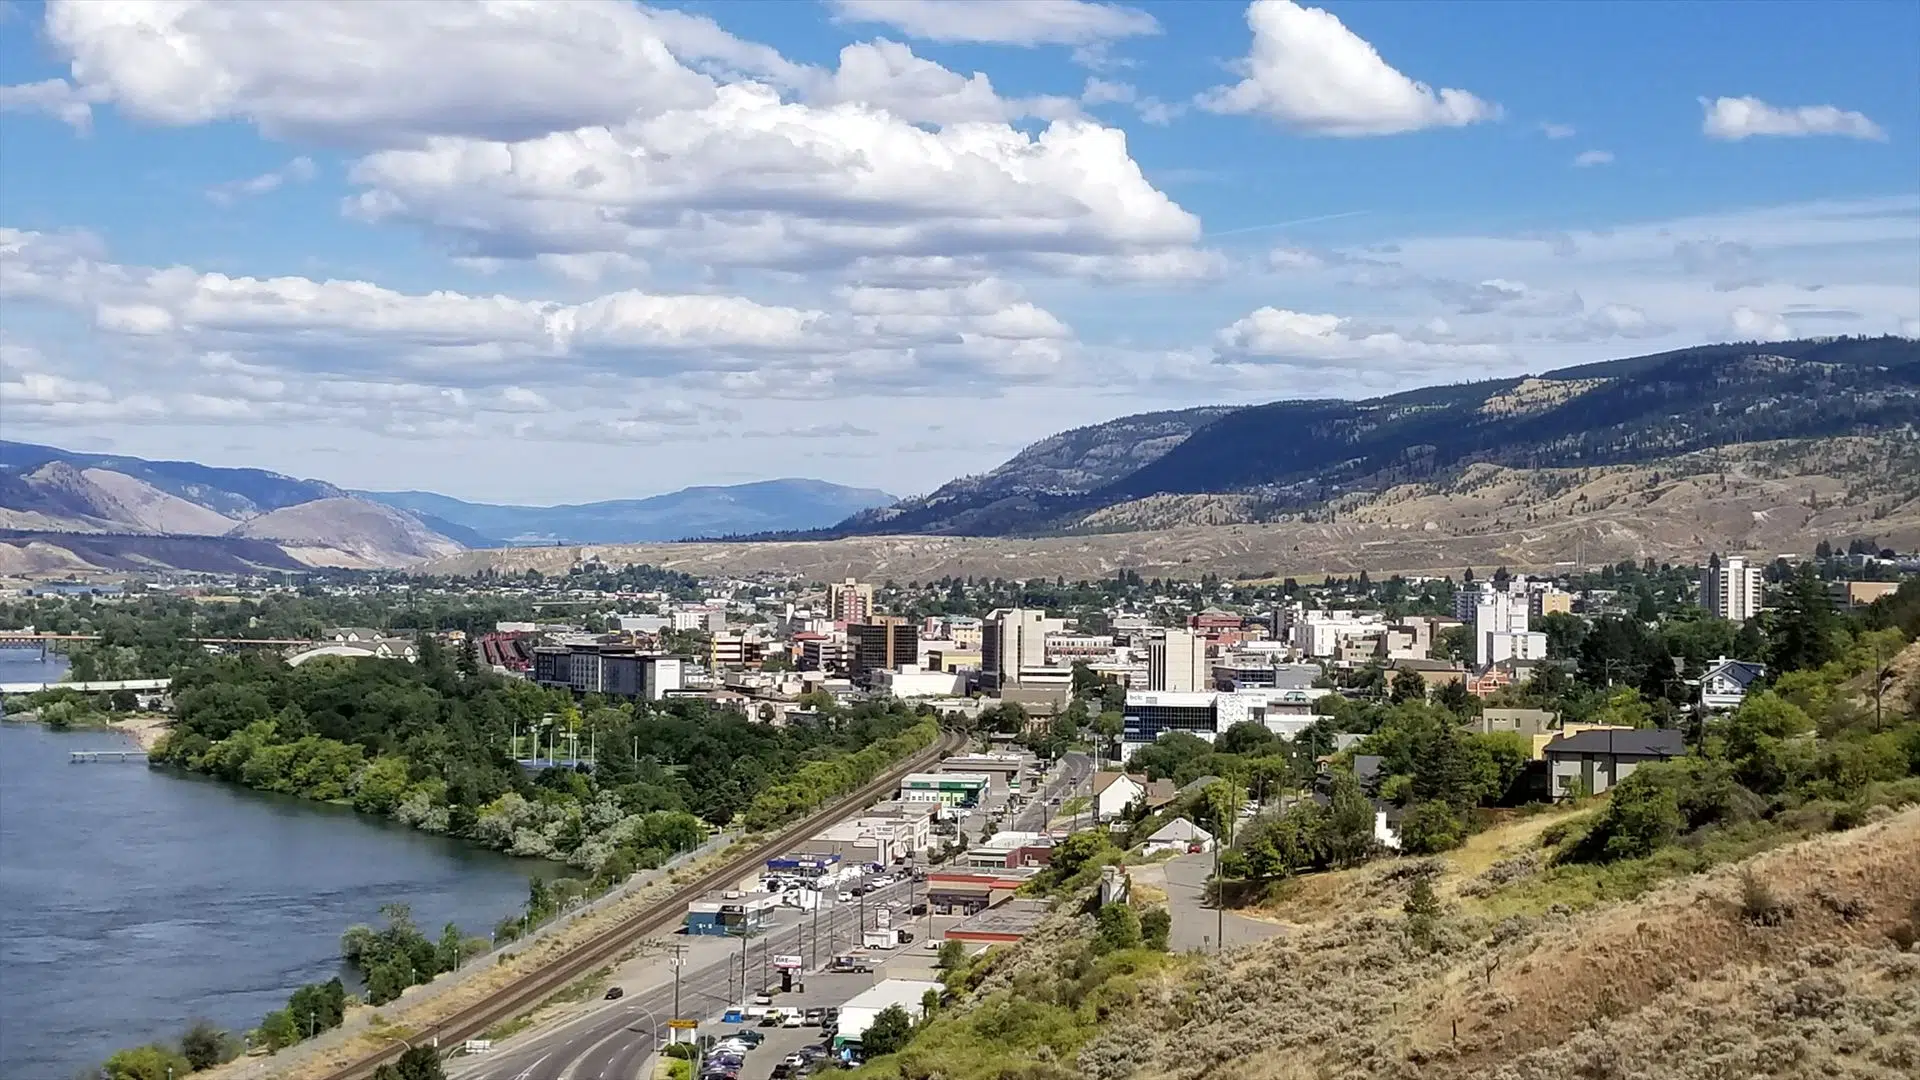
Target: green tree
[150,1062]
[1119,927]
[1454,643]
[1455,698]
[1156,926]
[204,1045]
[887,1033]
[447,953]
[1430,828]
[1408,686]
[1801,636]
[416,1063]
[387,982]
[1108,725]
[952,955]
[278,1031]
[1422,908]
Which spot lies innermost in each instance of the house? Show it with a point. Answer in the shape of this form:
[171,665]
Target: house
[1724,684]
[1179,835]
[1594,761]
[1113,792]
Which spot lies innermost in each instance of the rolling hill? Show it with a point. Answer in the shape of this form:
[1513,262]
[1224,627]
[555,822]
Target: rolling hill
[765,506]
[1293,459]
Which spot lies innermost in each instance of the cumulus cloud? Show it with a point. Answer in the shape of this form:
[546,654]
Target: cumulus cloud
[1003,22]
[1312,74]
[358,73]
[1558,131]
[298,171]
[1750,325]
[1586,159]
[752,180]
[1742,117]
[887,75]
[1310,340]
[1150,109]
[57,98]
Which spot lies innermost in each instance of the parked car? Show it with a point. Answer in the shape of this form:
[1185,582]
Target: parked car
[814,1016]
[746,1035]
[844,896]
[613,993]
[793,1019]
[764,997]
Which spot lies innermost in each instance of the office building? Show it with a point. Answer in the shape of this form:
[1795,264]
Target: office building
[1013,640]
[1149,715]
[615,670]
[850,601]
[1731,588]
[885,643]
[733,649]
[1177,662]
[1499,618]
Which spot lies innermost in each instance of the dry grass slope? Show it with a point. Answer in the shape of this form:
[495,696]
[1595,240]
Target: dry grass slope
[1674,986]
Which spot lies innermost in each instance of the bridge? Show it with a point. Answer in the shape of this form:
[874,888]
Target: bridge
[94,686]
[80,757]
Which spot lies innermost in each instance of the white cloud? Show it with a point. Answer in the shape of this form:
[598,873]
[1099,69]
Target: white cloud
[1312,74]
[1610,321]
[1588,158]
[57,98]
[1003,22]
[298,171]
[1558,131]
[380,73]
[887,75]
[755,181]
[1738,118]
[1309,340]
[1151,109]
[1750,325]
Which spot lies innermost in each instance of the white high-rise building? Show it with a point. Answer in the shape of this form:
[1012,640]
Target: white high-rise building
[1730,588]
[1499,621]
[1177,663]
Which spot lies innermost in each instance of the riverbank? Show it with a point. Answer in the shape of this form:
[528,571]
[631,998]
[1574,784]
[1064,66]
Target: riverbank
[145,729]
[420,1008]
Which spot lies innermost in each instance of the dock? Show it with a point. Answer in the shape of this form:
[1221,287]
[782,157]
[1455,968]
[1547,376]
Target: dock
[78,757]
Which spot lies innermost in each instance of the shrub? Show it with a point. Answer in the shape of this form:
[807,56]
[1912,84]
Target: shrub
[1119,928]
[1759,904]
[1430,828]
[1156,926]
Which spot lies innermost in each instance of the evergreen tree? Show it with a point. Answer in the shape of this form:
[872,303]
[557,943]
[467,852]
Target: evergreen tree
[1802,631]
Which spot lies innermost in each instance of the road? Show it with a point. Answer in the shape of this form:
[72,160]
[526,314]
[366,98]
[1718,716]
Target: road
[1196,924]
[1072,773]
[615,1040]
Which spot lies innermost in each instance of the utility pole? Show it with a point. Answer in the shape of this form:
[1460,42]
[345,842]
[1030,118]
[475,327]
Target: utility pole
[679,958]
[819,895]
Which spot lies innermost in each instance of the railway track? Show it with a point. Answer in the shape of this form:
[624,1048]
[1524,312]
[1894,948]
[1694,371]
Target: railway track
[609,943]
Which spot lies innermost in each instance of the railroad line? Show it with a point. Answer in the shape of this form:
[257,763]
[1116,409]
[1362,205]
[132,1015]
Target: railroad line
[596,951]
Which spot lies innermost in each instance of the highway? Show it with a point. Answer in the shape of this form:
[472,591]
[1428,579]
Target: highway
[614,1040]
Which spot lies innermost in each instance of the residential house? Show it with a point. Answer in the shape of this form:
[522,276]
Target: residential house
[1724,684]
[1594,761]
[1179,835]
[1113,792]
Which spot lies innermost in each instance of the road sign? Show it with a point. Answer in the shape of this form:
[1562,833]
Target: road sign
[786,962]
[683,1025]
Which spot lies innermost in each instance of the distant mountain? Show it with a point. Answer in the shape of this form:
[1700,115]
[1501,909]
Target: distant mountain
[765,506]
[234,493]
[59,497]
[1042,480]
[348,532]
[1282,460]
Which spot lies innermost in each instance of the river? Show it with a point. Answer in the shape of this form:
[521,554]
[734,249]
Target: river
[133,899]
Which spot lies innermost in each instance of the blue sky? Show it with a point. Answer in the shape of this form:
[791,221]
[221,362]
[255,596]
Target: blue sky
[887,242]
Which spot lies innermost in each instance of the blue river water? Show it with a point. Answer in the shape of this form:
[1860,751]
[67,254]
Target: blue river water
[133,900]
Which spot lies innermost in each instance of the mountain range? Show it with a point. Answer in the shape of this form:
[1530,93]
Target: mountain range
[1289,460]
[65,511]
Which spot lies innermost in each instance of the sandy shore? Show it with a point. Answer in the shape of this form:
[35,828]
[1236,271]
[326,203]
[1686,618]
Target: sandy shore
[143,728]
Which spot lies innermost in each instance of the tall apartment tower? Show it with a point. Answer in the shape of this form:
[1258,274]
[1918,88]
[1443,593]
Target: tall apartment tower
[849,601]
[1731,588]
[1177,663]
[1011,639]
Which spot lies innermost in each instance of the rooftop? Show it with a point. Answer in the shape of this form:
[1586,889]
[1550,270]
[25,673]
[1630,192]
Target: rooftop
[1010,921]
[1655,742]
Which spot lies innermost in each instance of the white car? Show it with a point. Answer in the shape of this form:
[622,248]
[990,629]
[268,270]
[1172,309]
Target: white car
[844,897]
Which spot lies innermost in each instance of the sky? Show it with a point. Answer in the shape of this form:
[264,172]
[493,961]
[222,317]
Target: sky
[559,251]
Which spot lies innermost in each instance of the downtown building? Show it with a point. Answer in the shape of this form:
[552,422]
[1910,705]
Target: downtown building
[622,671]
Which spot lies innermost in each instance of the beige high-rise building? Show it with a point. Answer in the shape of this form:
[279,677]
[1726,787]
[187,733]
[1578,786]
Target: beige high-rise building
[1012,639]
[1177,663]
[1731,589]
[849,601]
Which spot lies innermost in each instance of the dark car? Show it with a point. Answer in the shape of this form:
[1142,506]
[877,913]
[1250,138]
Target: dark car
[744,1034]
[614,993]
